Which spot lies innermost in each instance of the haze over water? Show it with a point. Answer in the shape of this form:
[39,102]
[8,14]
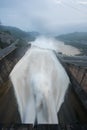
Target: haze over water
[59,46]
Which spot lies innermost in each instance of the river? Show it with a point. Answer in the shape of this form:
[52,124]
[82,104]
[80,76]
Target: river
[58,46]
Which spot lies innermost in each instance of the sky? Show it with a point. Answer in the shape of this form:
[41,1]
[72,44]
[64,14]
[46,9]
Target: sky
[44,16]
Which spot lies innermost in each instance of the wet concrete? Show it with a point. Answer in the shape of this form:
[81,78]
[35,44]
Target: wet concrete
[72,111]
[8,106]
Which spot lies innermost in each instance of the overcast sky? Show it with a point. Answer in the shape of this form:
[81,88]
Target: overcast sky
[42,15]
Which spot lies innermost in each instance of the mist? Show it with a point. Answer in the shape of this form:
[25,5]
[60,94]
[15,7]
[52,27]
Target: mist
[46,42]
[49,17]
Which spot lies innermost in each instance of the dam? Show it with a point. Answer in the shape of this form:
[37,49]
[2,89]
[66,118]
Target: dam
[74,108]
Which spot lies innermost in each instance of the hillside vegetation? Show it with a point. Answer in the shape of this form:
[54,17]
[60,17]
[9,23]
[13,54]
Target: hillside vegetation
[78,36]
[9,34]
[5,39]
[18,33]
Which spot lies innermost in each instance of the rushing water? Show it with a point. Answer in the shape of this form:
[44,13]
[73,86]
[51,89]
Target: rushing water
[40,83]
[56,45]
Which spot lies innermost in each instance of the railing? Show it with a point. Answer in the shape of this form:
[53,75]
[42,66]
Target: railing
[77,65]
[76,98]
[4,52]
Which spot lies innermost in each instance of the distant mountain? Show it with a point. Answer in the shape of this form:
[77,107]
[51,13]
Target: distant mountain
[18,33]
[76,36]
[33,34]
[70,28]
[9,34]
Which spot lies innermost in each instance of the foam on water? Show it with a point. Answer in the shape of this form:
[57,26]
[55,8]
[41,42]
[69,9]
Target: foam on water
[53,44]
[45,43]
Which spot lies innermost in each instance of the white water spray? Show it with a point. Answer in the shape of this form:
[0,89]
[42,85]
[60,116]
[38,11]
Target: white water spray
[40,83]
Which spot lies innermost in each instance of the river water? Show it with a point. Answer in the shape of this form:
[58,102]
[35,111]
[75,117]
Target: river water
[58,46]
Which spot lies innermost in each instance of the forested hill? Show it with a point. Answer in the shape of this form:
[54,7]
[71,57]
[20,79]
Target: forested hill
[9,34]
[76,36]
[18,33]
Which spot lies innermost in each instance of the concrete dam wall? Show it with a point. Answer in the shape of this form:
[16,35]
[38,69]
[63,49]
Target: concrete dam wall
[8,58]
[8,105]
